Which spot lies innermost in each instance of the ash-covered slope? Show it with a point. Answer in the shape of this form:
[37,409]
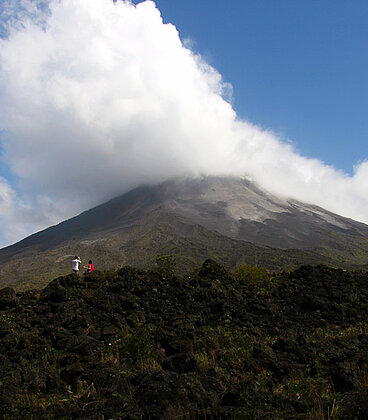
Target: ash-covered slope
[233,207]
[238,209]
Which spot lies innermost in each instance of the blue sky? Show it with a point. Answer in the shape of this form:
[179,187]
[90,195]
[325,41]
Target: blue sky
[298,68]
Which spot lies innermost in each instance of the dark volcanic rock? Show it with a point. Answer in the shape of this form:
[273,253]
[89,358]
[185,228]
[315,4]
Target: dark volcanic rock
[139,345]
[8,298]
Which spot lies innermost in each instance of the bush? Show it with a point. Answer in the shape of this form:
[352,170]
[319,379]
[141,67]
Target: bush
[251,274]
[138,345]
[223,347]
[165,265]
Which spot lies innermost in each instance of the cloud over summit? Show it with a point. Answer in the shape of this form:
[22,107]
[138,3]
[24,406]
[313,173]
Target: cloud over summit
[97,97]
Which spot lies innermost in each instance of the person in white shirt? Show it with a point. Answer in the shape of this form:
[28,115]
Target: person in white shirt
[75,264]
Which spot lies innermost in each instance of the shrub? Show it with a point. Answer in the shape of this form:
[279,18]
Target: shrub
[225,347]
[165,265]
[138,345]
[251,274]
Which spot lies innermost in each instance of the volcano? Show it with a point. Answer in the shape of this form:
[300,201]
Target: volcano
[229,219]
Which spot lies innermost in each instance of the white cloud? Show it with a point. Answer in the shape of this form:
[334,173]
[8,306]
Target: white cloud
[98,97]
[19,218]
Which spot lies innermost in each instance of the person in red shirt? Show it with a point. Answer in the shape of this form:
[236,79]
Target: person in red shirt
[90,267]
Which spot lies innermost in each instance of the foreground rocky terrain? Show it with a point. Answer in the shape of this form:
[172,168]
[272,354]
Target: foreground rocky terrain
[136,344]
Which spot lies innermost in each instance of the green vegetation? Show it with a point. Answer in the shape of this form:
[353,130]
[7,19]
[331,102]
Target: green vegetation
[165,266]
[252,275]
[137,346]
[222,347]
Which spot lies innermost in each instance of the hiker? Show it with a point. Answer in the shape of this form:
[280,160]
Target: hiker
[75,264]
[90,267]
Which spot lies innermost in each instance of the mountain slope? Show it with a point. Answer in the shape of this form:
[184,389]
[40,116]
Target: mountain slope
[229,219]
